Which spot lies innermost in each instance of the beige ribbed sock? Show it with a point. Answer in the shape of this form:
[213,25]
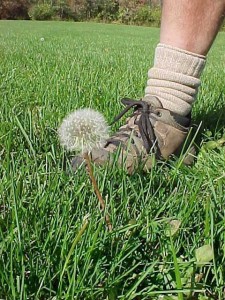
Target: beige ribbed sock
[174,78]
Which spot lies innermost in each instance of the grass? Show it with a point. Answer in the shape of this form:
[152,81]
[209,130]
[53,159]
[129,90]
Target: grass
[53,240]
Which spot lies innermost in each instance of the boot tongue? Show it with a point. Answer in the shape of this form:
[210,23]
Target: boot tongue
[154,101]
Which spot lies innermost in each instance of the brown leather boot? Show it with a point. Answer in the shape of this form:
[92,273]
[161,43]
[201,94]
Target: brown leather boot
[151,132]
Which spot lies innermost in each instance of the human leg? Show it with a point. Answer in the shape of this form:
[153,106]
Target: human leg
[187,33]
[161,120]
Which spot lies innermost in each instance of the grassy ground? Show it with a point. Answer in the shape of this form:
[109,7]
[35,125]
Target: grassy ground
[42,207]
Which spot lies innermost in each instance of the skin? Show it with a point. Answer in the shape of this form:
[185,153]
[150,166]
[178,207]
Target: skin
[191,25]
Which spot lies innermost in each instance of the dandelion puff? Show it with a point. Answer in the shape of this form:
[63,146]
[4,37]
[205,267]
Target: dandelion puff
[83,130]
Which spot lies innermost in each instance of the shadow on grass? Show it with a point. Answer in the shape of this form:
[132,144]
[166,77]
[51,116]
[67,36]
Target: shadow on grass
[212,119]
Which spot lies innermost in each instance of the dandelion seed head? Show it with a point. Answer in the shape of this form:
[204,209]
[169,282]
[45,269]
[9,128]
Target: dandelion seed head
[42,39]
[83,130]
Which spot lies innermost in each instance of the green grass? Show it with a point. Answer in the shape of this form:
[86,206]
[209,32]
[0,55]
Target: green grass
[47,250]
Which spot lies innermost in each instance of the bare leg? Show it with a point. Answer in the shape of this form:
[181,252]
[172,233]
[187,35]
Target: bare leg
[191,25]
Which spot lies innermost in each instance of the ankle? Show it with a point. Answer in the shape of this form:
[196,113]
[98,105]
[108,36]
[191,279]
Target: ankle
[175,78]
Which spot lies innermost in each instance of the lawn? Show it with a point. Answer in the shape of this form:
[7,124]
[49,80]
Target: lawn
[168,238]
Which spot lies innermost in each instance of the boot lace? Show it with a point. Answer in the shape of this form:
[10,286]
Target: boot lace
[145,126]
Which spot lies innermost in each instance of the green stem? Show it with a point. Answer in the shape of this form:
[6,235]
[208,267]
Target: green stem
[96,189]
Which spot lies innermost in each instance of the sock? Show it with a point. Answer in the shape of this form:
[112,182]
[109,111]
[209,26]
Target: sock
[174,78]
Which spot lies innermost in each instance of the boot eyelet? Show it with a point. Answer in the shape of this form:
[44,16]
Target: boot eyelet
[159,114]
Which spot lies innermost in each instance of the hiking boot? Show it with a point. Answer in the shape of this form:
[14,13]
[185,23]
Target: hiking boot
[151,132]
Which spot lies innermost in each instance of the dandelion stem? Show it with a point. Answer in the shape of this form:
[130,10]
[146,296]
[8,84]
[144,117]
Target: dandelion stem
[96,189]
